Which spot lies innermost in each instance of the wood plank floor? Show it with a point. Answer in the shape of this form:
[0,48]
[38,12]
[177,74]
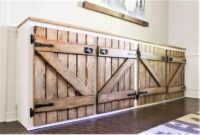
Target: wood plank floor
[134,121]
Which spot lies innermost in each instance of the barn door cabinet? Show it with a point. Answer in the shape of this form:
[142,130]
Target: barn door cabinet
[66,73]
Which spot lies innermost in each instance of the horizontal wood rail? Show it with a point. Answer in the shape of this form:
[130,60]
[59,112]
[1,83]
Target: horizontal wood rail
[176,89]
[62,47]
[64,103]
[115,96]
[152,91]
[116,53]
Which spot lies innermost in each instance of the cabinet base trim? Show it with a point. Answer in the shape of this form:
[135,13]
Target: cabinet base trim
[100,115]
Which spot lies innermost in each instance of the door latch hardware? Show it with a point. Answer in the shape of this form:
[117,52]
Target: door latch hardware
[88,50]
[132,94]
[44,45]
[44,105]
[104,51]
[140,94]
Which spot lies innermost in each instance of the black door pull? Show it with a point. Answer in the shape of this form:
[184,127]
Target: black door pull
[44,105]
[104,51]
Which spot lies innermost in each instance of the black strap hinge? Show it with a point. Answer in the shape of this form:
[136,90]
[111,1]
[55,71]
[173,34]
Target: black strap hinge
[32,112]
[32,38]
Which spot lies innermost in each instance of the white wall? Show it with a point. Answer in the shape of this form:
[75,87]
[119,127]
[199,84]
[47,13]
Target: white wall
[3,58]
[184,31]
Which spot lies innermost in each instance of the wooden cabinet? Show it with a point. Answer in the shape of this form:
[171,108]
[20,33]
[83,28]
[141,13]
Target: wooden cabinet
[66,73]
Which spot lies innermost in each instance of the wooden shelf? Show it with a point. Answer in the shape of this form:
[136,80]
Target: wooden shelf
[113,13]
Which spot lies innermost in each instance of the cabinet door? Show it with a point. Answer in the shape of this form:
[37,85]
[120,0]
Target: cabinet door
[115,74]
[152,73]
[64,75]
[175,74]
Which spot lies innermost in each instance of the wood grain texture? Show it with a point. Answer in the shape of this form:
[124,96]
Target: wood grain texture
[39,79]
[108,87]
[65,103]
[62,84]
[51,78]
[113,13]
[100,73]
[72,113]
[66,73]
[115,86]
[108,73]
[91,72]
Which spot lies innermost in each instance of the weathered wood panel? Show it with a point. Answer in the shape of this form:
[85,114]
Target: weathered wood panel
[116,77]
[64,81]
[152,70]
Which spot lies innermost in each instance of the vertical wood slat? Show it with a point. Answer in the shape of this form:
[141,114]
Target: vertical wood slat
[90,71]
[39,79]
[114,69]
[142,76]
[81,70]
[62,84]
[51,80]
[122,81]
[127,78]
[132,77]
[100,73]
[108,73]
[72,113]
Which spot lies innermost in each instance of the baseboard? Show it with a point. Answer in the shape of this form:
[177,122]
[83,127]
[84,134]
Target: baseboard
[192,93]
[101,115]
[11,116]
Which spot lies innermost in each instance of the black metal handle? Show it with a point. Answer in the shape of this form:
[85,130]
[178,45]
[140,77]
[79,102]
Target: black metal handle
[88,50]
[104,51]
[170,59]
[164,58]
[44,105]
[143,92]
[44,45]
[131,94]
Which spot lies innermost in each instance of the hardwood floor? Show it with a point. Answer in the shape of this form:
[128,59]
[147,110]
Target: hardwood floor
[134,121]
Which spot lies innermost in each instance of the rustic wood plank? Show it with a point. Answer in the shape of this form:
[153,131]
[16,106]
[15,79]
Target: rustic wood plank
[51,79]
[176,89]
[127,77]
[66,73]
[150,56]
[113,13]
[116,77]
[117,53]
[64,103]
[158,78]
[39,87]
[81,70]
[39,79]
[115,64]
[152,91]
[115,96]
[141,75]
[122,80]
[62,84]
[176,75]
[91,69]
[108,73]
[101,72]
[72,113]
